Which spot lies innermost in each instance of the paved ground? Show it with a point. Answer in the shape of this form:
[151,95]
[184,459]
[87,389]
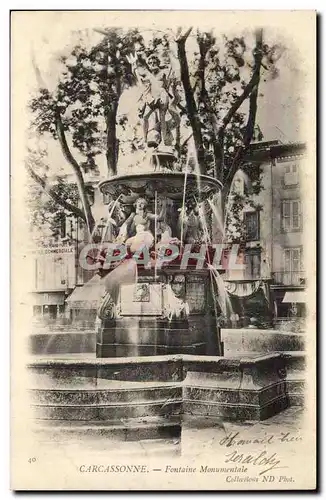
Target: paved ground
[208,439]
[202,436]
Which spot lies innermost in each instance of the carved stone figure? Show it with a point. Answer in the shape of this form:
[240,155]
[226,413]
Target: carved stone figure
[175,305]
[157,105]
[193,231]
[138,225]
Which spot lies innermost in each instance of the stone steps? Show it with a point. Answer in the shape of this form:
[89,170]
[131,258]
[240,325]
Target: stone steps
[109,399]
[235,393]
[234,411]
[92,393]
[295,387]
[109,411]
[161,429]
[125,393]
[149,397]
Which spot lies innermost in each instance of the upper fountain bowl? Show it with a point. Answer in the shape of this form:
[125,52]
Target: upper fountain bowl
[166,184]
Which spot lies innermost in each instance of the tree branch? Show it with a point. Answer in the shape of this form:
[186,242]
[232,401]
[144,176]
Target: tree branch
[201,71]
[218,139]
[250,126]
[204,46]
[247,138]
[50,191]
[182,38]
[111,139]
[240,100]
[186,140]
[250,86]
[192,111]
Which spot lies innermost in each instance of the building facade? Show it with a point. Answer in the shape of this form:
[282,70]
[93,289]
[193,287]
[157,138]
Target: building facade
[274,230]
[55,268]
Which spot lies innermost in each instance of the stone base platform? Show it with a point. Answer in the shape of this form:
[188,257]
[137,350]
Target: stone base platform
[134,338]
[149,397]
[53,343]
[240,340]
[254,342]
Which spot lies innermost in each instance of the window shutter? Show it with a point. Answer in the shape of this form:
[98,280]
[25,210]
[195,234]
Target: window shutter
[287,259]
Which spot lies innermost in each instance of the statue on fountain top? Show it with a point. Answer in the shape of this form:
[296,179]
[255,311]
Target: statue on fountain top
[157,104]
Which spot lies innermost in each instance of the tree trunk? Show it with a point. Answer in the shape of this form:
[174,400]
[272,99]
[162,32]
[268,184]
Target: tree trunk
[192,112]
[89,219]
[111,140]
[78,174]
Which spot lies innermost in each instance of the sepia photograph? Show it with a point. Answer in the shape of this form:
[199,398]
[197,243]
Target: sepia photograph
[163,316]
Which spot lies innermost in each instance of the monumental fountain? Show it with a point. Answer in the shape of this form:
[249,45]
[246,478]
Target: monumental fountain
[168,304]
[159,354]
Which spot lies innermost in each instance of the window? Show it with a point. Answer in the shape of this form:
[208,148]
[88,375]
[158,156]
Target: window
[291,175]
[292,266]
[291,215]
[61,309]
[37,310]
[252,263]
[251,221]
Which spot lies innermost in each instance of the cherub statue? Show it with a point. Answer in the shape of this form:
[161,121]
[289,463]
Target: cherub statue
[138,224]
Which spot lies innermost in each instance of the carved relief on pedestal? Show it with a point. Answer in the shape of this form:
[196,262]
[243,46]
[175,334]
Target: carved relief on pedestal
[175,305]
[107,308]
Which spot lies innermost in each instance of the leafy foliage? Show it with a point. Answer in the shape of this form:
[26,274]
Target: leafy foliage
[45,216]
[88,89]
[94,78]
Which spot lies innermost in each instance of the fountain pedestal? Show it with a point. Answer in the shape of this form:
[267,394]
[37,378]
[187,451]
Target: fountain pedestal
[143,326]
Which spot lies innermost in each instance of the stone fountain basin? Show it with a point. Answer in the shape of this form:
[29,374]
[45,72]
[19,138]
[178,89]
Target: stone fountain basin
[167,184]
[159,387]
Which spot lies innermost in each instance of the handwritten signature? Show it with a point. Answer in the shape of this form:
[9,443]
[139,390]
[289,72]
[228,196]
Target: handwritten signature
[261,459]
